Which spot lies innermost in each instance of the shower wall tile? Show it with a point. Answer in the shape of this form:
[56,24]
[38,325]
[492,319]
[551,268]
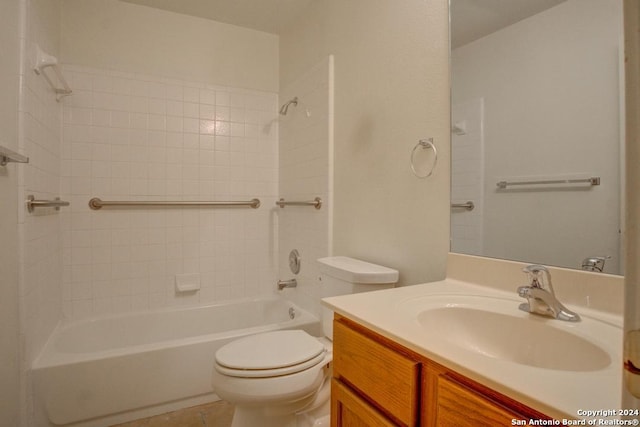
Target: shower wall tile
[468,177]
[138,137]
[40,117]
[305,144]
[40,254]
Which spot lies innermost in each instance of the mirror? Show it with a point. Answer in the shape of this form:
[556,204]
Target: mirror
[537,131]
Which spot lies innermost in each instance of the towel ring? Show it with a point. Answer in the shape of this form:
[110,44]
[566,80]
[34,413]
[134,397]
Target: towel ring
[425,144]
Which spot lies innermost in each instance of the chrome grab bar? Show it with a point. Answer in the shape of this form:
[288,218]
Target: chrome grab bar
[32,203]
[97,203]
[468,205]
[594,180]
[317,203]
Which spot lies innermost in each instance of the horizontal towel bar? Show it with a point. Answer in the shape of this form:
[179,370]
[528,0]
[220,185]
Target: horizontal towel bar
[97,203]
[468,205]
[594,180]
[317,203]
[32,203]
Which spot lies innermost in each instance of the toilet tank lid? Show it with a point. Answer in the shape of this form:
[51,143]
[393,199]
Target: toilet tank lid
[357,271]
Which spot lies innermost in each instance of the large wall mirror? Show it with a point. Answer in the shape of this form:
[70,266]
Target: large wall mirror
[537,131]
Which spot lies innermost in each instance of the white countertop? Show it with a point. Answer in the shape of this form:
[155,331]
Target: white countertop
[557,393]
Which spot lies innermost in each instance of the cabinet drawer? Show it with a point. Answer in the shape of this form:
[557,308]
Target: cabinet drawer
[460,406]
[386,378]
[348,410]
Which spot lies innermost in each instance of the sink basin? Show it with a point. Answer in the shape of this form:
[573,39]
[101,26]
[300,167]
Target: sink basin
[495,328]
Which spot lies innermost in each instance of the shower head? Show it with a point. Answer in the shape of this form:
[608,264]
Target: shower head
[285,106]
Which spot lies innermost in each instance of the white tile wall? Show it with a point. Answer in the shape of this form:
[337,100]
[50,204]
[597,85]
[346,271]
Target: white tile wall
[40,126]
[40,259]
[305,150]
[137,137]
[467,177]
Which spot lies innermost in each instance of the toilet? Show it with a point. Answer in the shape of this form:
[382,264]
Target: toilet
[283,378]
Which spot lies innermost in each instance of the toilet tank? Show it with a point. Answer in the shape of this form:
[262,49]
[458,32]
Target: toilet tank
[341,275]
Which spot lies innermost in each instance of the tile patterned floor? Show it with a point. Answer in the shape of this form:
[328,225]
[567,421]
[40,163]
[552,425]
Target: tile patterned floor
[217,414]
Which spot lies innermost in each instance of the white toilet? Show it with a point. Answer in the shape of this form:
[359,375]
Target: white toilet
[282,378]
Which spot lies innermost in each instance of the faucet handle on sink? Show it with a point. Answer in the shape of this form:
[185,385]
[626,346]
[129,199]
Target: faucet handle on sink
[539,277]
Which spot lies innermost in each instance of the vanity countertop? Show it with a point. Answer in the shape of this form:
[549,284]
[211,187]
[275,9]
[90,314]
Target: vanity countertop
[561,394]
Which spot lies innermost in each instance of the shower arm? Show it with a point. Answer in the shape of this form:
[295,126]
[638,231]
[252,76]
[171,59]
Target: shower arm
[285,106]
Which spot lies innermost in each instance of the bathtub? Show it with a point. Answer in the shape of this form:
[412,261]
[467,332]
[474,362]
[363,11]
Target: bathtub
[100,367]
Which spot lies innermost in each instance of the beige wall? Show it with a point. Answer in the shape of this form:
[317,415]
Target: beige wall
[392,88]
[120,36]
[9,320]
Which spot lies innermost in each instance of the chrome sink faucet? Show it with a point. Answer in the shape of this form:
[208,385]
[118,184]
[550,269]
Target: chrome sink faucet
[541,297]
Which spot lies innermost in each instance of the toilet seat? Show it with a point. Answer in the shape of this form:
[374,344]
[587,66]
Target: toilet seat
[270,354]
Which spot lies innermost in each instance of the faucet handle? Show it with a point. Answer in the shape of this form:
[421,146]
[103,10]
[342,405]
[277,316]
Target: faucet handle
[594,263]
[535,269]
[539,276]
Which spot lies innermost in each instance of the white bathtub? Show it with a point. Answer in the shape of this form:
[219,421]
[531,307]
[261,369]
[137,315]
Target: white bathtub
[100,367]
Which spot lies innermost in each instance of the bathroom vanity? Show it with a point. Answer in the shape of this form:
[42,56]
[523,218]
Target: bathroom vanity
[460,352]
[378,382]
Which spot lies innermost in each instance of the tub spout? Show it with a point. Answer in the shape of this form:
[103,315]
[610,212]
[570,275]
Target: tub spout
[287,284]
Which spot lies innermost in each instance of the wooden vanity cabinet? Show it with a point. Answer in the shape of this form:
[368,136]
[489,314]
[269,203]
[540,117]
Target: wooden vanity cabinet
[382,374]
[348,409]
[378,382]
[451,399]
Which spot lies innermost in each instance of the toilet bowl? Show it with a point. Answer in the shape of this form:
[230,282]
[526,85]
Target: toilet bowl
[273,377]
[282,378]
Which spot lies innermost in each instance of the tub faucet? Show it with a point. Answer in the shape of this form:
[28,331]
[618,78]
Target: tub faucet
[287,284]
[541,297]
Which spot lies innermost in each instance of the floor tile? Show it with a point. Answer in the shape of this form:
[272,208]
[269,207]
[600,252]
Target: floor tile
[216,414]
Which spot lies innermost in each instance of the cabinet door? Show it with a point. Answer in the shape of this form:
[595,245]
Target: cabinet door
[378,372]
[459,406]
[349,410]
